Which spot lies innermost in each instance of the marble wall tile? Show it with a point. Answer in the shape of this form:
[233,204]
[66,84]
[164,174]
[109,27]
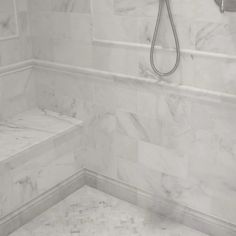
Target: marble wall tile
[165,143]
[42,48]
[36,5]
[8,25]
[163,159]
[41,24]
[200,25]
[115,28]
[215,37]
[60,23]
[82,6]
[20,48]
[184,151]
[81,27]
[44,167]
[125,147]
[72,52]
[135,8]
[17,93]
[102,7]
[115,59]
[8,22]
[15,50]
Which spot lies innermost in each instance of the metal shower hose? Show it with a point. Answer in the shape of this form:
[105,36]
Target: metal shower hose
[157,27]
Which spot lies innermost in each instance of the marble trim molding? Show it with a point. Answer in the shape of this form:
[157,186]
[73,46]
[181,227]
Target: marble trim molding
[35,207]
[120,44]
[16,35]
[187,91]
[16,67]
[197,220]
[191,92]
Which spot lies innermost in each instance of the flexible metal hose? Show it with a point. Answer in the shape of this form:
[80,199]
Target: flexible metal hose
[161,7]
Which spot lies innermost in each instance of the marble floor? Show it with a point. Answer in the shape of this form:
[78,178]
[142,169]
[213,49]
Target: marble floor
[90,212]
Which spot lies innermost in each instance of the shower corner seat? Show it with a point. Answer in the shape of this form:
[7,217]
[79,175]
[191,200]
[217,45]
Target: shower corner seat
[39,151]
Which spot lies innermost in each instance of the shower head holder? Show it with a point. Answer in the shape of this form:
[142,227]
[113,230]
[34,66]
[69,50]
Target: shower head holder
[226,5]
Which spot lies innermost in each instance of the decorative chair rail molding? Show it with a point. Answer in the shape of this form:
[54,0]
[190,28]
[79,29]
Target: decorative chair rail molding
[188,91]
[187,216]
[195,93]
[13,68]
[120,44]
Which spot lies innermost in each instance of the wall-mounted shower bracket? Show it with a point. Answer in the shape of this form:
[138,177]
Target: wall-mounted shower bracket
[226,5]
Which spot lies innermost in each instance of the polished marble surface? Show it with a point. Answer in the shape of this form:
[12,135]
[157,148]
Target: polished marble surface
[30,128]
[91,212]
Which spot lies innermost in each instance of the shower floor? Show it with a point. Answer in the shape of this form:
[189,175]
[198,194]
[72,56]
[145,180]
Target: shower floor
[90,212]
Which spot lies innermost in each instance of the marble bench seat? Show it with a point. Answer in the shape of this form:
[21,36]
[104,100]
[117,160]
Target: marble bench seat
[38,150]
[32,128]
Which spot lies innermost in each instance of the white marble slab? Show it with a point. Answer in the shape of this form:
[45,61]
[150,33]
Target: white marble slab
[90,212]
[31,128]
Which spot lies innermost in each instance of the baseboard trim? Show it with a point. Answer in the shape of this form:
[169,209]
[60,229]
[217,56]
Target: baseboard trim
[192,218]
[27,212]
[187,216]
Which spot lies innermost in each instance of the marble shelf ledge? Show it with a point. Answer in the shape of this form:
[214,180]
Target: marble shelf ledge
[26,131]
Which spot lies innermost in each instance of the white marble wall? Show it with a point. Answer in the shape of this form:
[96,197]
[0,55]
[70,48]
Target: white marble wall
[19,48]
[17,93]
[8,21]
[166,143]
[103,34]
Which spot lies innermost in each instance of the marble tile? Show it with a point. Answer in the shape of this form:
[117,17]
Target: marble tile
[163,159]
[17,93]
[135,8]
[19,47]
[91,212]
[210,35]
[7,6]
[102,7]
[30,128]
[177,151]
[7,24]
[115,28]
[38,151]
[152,137]
[82,6]
[36,6]
[81,27]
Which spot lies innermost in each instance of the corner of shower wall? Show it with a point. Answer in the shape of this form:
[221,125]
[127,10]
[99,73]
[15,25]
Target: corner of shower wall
[174,142]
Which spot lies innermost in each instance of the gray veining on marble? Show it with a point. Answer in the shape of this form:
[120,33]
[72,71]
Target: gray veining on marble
[91,212]
[8,21]
[30,128]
